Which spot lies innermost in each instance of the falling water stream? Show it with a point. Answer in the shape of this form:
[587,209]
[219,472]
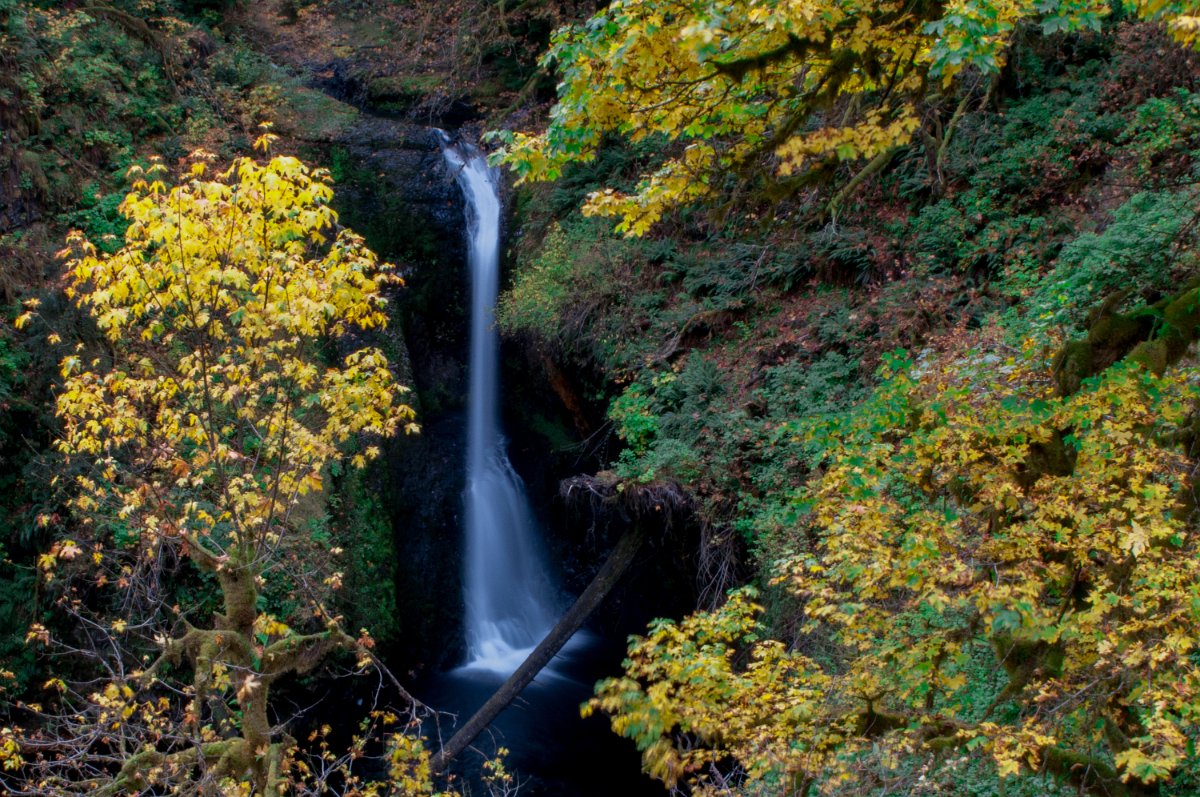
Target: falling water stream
[509,604]
[510,601]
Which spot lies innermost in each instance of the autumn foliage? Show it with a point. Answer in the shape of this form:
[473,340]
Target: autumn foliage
[749,88]
[982,565]
[195,442]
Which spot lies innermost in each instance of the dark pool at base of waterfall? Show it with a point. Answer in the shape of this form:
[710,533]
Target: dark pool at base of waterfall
[553,752]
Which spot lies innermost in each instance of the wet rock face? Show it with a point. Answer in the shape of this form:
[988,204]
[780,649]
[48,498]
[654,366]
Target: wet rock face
[394,165]
[17,210]
[340,80]
[392,187]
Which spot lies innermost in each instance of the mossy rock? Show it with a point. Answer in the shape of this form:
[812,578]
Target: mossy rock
[1073,364]
[1113,335]
[1152,354]
[1154,337]
[1183,314]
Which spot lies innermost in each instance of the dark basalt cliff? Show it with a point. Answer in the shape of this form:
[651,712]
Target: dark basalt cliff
[393,189]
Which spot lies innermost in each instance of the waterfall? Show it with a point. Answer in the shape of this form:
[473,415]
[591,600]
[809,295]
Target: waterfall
[509,605]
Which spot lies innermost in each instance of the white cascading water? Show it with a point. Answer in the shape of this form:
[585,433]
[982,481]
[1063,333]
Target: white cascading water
[509,605]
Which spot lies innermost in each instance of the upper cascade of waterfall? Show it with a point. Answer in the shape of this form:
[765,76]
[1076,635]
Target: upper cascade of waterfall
[510,605]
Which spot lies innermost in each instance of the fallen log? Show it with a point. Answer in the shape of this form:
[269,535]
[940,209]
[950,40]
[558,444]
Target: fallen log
[610,573]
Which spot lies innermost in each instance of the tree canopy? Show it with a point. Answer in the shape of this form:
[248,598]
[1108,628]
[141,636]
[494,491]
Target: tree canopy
[991,559]
[787,88]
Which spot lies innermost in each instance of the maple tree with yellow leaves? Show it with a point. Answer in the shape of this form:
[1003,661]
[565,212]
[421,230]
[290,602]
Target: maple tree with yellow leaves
[744,88]
[994,560]
[986,564]
[196,440]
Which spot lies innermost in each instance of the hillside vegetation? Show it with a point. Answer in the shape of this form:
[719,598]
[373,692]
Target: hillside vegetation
[934,392]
